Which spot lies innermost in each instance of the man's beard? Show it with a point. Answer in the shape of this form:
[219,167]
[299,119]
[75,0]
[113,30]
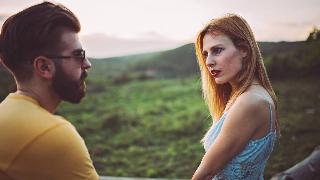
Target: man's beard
[66,88]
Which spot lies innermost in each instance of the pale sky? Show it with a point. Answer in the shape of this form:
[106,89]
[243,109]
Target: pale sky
[122,27]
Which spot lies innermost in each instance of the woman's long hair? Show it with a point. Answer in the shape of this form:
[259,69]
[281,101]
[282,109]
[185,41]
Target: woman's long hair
[218,96]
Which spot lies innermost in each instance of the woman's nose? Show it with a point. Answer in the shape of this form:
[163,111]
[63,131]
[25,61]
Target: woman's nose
[210,61]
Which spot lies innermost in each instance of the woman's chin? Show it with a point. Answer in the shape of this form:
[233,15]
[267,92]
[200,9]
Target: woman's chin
[219,81]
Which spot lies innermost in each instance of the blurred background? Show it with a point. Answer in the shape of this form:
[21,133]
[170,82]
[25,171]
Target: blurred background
[144,116]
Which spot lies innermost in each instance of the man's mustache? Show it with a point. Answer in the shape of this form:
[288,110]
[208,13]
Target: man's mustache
[84,75]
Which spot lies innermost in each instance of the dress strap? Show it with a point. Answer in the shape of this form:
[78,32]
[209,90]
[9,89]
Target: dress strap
[270,119]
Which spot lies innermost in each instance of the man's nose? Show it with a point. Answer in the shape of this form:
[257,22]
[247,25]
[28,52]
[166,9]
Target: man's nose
[86,64]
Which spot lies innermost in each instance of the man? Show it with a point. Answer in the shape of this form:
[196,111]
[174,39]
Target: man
[40,47]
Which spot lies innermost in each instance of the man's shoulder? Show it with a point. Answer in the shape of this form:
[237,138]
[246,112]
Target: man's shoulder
[23,123]
[19,110]
[24,115]
[58,149]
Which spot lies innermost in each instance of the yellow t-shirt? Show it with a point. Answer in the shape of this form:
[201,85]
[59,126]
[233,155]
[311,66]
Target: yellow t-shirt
[36,145]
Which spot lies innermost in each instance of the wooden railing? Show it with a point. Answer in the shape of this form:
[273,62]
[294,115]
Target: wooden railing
[309,169]
[131,178]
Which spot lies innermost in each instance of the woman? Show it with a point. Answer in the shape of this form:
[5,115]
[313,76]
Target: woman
[240,97]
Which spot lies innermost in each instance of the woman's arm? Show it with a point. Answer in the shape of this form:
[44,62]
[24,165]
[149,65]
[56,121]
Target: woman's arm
[246,116]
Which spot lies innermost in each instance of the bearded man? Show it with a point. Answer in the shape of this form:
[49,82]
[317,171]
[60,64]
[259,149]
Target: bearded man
[41,49]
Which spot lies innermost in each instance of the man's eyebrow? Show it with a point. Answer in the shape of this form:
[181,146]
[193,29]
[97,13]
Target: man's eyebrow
[76,50]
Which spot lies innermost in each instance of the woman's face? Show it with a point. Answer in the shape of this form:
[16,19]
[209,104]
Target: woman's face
[223,59]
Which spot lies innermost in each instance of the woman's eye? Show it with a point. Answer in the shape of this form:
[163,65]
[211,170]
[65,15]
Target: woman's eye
[217,51]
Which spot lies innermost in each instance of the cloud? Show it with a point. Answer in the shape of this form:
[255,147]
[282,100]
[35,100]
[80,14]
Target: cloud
[120,27]
[102,45]
[285,31]
[3,17]
[9,7]
[14,5]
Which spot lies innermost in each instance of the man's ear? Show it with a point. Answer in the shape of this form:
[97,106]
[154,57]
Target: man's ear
[44,67]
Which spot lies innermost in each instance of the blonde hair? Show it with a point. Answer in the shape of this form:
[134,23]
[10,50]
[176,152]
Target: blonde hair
[218,96]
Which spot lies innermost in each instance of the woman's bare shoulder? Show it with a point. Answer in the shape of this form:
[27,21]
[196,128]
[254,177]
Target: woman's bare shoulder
[250,107]
[244,119]
[252,100]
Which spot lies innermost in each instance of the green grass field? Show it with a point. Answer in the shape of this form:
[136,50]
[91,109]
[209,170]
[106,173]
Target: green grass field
[144,115]
[153,128]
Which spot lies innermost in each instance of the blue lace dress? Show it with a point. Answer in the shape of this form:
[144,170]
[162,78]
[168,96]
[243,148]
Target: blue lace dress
[249,164]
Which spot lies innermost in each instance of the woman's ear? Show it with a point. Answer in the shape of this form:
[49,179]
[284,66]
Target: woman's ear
[44,67]
[244,51]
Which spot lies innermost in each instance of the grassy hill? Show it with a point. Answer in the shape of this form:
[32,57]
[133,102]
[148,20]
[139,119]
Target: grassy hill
[6,82]
[152,128]
[282,59]
[173,63]
[160,117]
[144,115]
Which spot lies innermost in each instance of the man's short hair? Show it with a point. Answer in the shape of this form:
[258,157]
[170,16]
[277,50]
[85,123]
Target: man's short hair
[33,32]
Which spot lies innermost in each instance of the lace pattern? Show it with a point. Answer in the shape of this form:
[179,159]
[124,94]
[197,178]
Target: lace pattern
[249,164]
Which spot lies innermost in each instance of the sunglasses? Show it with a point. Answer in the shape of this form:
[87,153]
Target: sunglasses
[79,54]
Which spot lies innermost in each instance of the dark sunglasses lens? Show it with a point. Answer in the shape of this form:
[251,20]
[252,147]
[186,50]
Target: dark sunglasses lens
[80,54]
[83,55]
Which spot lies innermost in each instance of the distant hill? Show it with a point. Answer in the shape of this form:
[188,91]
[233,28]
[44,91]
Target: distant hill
[172,63]
[282,59]
[292,59]
[272,48]
[6,82]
